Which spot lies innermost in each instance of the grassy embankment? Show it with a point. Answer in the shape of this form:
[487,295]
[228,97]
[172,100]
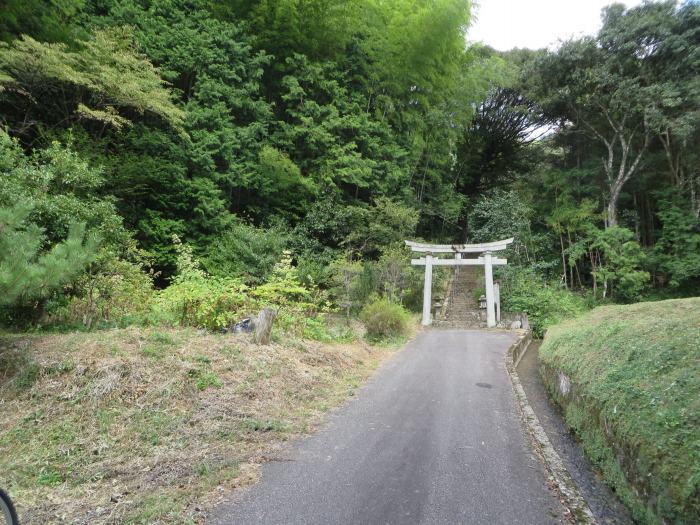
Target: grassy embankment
[634,401]
[152,426]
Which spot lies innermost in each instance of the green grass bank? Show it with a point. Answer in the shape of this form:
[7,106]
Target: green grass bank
[628,380]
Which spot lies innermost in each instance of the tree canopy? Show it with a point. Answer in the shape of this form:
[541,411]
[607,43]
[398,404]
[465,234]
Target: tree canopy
[337,128]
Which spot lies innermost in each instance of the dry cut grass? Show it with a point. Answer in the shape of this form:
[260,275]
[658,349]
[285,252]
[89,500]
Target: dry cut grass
[153,426]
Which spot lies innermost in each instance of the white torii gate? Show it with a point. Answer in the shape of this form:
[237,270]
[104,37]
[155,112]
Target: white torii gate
[486,259]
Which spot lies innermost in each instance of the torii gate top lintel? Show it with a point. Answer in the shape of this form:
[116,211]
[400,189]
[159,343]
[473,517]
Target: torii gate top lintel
[494,246]
[486,259]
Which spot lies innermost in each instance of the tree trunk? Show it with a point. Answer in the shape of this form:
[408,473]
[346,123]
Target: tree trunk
[637,230]
[595,287]
[672,157]
[571,268]
[592,258]
[694,197]
[578,276]
[651,234]
[612,211]
[628,162]
[563,260]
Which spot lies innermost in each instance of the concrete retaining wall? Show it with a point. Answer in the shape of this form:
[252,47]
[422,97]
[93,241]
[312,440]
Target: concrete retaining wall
[635,490]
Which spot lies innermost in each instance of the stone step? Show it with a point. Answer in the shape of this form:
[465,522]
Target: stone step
[462,325]
[461,308]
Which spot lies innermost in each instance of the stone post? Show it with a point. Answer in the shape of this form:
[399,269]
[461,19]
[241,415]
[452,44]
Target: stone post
[497,294]
[263,326]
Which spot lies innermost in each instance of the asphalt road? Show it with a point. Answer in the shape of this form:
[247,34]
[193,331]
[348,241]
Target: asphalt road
[434,437]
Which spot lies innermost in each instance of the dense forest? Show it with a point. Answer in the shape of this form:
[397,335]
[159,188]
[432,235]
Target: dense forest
[174,160]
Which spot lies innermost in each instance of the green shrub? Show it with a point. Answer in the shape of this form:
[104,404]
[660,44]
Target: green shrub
[284,287]
[500,214]
[354,282]
[676,254]
[113,292]
[386,223]
[211,302]
[545,304]
[620,274]
[315,268]
[247,252]
[27,271]
[197,299]
[366,284]
[384,319]
[400,281]
[320,328]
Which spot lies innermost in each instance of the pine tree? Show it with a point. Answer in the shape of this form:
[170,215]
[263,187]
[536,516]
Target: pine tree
[27,270]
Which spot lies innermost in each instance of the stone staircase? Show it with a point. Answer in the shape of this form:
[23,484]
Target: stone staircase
[461,308]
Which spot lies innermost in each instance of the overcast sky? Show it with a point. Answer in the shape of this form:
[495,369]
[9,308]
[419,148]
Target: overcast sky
[505,24]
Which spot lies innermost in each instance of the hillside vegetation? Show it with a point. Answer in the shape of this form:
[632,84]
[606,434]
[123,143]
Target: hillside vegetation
[635,400]
[150,426]
[324,133]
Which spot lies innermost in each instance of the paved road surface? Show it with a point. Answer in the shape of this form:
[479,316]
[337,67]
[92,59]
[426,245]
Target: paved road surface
[433,438]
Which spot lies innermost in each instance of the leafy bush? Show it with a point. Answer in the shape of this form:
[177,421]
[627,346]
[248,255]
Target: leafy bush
[247,252]
[278,178]
[384,319]
[212,302]
[285,289]
[384,224]
[114,292]
[59,189]
[355,282]
[316,268]
[676,254]
[295,302]
[545,304]
[198,299]
[398,280]
[366,284]
[351,282]
[622,262]
[320,328]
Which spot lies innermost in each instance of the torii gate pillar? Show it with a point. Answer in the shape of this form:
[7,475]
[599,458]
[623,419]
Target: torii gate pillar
[427,291]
